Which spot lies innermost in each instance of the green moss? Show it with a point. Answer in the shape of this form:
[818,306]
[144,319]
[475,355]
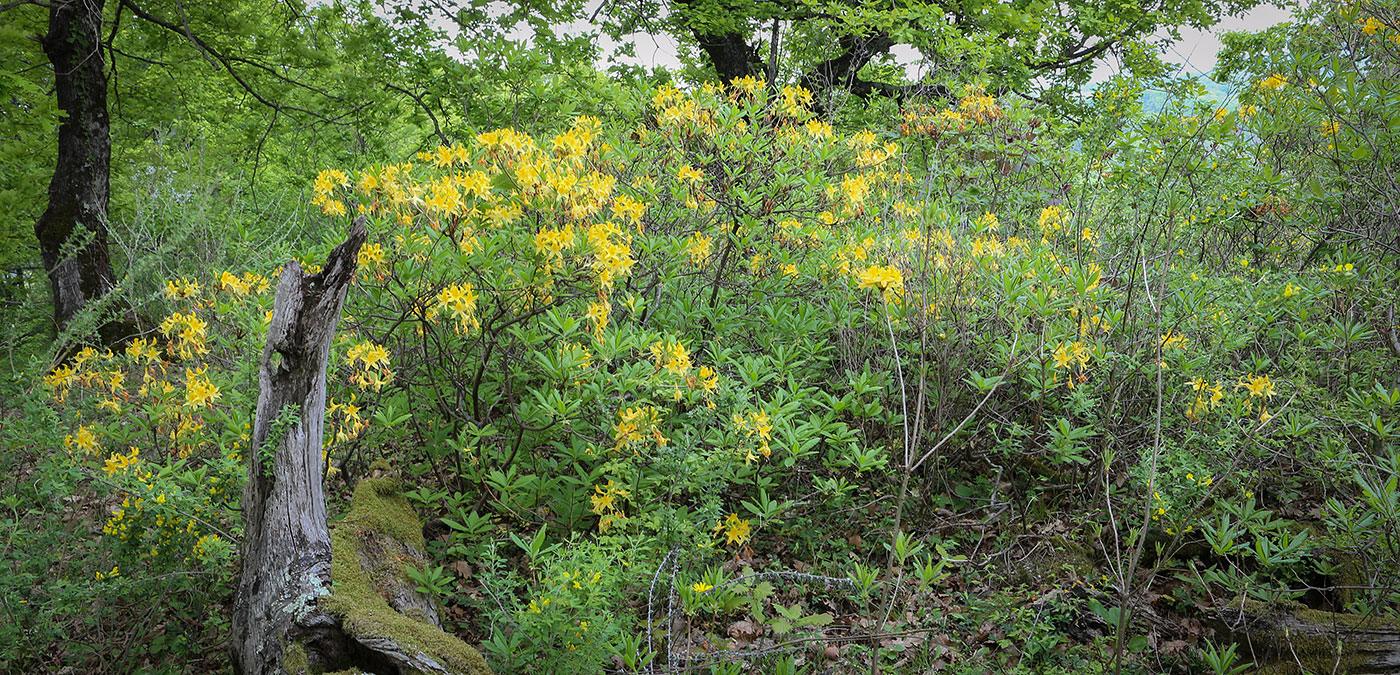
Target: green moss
[368,546]
[1338,647]
[294,659]
[379,506]
[1052,562]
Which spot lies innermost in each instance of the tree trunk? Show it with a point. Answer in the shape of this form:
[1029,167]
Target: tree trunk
[72,231]
[287,550]
[731,54]
[286,618]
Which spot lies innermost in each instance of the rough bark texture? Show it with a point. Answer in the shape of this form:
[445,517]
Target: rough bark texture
[287,618]
[72,231]
[287,550]
[731,54]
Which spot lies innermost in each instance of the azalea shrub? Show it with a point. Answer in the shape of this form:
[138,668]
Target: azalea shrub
[714,363]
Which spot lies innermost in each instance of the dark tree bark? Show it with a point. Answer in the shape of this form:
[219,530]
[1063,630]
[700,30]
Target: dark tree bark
[72,231]
[733,57]
[287,550]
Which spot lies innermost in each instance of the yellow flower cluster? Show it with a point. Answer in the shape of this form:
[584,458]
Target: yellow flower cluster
[736,532]
[612,256]
[119,464]
[1208,397]
[868,151]
[373,370]
[755,425]
[459,303]
[199,391]
[327,182]
[181,289]
[1258,386]
[627,209]
[1052,220]
[83,439]
[748,84]
[250,283]
[796,101]
[636,426]
[1075,354]
[976,105]
[344,419]
[671,356]
[605,504]
[855,188]
[597,316]
[188,333]
[552,243]
[698,247]
[888,278]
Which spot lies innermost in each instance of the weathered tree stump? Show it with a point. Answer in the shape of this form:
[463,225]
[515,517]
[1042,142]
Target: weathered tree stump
[288,615]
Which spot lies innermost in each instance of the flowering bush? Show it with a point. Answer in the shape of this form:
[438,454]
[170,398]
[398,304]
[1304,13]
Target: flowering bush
[714,333]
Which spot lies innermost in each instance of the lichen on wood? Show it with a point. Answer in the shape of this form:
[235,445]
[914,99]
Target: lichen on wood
[310,602]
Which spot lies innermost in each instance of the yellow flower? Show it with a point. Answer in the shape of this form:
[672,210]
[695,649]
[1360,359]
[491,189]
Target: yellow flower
[736,531]
[83,439]
[701,587]
[885,278]
[747,83]
[121,463]
[795,100]
[553,242]
[671,356]
[818,129]
[1258,386]
[459,301]
[709,379]
[690,174]
[855,188]
[199,391]
[1052,219]
[181,288]
[628,209]
[698,247]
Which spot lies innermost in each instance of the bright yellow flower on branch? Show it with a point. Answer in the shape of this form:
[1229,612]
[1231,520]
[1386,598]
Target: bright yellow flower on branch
[1257,386]
[459,302]
[887,278]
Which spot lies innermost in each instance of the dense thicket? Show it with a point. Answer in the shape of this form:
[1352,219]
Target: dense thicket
[729,375]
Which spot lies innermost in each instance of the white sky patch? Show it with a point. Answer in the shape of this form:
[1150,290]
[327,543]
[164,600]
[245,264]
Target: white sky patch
[1194,53]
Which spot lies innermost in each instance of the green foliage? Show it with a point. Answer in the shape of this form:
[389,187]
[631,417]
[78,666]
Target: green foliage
[708,381]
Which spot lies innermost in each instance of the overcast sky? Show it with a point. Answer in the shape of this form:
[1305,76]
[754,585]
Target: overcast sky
[1195,51]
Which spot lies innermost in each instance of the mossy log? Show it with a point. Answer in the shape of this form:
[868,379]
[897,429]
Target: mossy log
[304,604]
[1290,638]
[376,604]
